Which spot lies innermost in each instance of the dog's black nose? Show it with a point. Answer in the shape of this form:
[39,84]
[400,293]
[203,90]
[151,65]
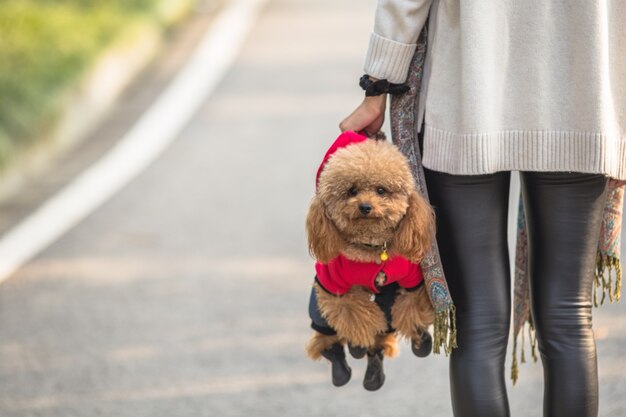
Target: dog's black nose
[365,208]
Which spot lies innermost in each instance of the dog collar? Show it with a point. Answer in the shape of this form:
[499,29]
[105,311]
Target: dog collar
[384,255]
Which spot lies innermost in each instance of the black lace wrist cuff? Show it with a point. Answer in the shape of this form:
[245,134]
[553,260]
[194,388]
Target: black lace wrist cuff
[376,88]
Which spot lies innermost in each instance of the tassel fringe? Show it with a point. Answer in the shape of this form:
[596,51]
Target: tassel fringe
[445,331]
[607,267]
[514,365]
[533,348]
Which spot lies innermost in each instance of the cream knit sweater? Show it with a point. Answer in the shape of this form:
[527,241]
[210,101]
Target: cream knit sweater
[530,85]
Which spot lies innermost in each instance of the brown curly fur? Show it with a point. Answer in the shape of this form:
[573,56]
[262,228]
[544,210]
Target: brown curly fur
[388,344]
[324,239]
[353,315]
[317,343]
[412,313]
[416,231]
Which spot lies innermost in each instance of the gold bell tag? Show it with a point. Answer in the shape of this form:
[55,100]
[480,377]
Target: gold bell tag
[384,255]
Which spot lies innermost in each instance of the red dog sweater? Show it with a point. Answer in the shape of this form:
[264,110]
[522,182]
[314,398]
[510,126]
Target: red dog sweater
[341,273]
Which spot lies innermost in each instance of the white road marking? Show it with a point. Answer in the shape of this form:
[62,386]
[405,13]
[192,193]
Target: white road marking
[148,138]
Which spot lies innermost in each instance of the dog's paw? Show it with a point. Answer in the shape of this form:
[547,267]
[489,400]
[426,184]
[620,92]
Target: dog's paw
[423,346]
[340,370]
[374,374]
[357,352]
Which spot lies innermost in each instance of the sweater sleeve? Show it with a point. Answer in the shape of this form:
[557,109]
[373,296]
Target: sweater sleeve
[413,278]
[397,25]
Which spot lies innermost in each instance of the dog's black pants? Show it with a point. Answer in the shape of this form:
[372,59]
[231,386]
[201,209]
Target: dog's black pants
[564,212]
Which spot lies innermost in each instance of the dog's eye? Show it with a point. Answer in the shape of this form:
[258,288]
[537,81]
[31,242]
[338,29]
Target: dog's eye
[381,191]
[353,191]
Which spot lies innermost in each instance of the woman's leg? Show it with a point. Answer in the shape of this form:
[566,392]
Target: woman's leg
[564,211]
[471,213]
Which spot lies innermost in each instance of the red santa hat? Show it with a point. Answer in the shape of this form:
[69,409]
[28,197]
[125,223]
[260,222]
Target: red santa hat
[346,138]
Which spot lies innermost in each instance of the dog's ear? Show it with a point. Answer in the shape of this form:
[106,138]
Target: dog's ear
[416,231]
[324,239]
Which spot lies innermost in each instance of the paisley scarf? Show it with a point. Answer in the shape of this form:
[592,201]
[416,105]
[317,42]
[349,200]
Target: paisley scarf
[404,135]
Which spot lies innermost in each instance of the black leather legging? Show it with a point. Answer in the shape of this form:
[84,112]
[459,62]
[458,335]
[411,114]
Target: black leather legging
[563,211]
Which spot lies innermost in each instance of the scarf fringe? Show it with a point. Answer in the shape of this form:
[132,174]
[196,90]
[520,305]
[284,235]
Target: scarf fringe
[533,348]
[606,268]
[445,331]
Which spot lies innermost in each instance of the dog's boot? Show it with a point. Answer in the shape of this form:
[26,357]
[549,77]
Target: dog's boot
[340,370]
[374,374]
[422,347]
[357,352]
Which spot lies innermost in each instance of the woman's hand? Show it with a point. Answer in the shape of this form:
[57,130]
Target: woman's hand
[368,116]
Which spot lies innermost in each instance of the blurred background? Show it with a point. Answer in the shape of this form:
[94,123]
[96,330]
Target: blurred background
[157,158]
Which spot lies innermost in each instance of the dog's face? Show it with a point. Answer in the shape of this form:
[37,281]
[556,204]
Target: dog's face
[365,193]
[365,199]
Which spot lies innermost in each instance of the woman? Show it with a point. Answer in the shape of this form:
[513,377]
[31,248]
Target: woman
[536,87]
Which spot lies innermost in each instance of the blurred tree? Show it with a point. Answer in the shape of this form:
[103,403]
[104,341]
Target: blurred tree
[44,46]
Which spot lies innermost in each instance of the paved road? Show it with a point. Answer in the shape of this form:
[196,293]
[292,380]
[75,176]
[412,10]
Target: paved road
[186,294]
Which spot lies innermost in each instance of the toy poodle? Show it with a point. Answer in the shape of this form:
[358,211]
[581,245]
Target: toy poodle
[368,228]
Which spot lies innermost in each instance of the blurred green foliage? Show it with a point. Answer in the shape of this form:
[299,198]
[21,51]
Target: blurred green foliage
[44,46]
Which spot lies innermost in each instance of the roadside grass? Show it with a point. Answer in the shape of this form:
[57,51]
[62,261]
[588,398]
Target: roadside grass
[45,45]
